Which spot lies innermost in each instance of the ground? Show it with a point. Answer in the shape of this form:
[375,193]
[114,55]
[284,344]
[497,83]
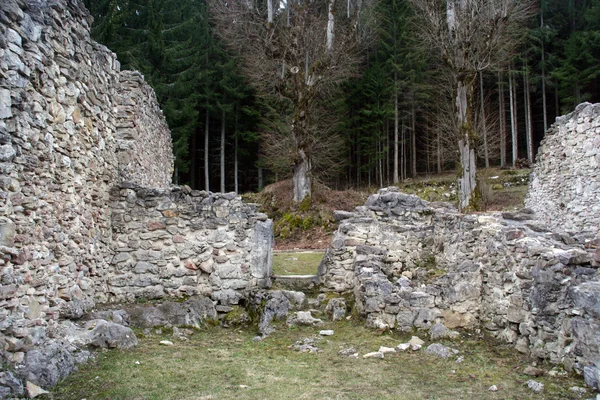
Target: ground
[220,363]
[296,263]
[310,225]
[228,363]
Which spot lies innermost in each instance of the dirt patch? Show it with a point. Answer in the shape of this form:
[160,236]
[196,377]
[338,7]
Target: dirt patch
[310,224]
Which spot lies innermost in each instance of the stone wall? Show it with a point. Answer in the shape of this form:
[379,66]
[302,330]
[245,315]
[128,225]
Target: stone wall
[181,242]
[144,149]
[565,187]
[413,264]
[71,126]
[68,118]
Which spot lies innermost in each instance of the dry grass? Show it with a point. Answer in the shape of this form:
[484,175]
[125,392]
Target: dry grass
[227,364]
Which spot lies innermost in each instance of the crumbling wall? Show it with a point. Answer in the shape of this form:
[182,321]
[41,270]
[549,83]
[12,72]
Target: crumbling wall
[564,190]
[71,126]
[67,121]
[412,264]
[181,242]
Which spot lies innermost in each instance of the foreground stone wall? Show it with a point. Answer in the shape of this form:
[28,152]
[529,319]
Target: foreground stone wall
[413,264]
[565,187]
[71,126]
[181,242]
[67,119]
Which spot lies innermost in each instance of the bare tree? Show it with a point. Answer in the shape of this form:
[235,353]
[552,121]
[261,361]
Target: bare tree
[470,36]
[297,53]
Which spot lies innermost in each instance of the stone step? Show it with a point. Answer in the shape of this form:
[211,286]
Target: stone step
[295,282]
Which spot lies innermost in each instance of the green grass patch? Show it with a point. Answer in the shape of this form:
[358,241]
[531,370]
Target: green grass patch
[300,263]
[217,363]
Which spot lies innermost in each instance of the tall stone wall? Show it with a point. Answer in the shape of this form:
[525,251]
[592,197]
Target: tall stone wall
[564,190]
[412,264]
[68,118]
[87,211]
[72,125]
[144,150]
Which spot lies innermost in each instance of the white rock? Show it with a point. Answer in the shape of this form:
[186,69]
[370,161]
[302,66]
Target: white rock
[386,350]
[166,342]
[375,354]
[403,346]
[415,340]
[34,390]
[326,332]
[535,386]
[493,388]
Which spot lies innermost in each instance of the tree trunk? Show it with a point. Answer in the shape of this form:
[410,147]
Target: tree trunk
[381,163]
[529,120]
[403,154]
[358,164]
[396,177]
[468,171]
[330,25]
[466,182]
[502,119]
[413,140]
[513,117]
[260,179]
[223,153]
[386,149]
[544,105]
[302,179]
[235,158]
[270,12]
[439,151]
[485,142]
[206,154]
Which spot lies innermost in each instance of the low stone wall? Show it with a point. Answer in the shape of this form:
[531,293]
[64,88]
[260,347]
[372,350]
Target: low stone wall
[564,190]
[182,242]
[412,264]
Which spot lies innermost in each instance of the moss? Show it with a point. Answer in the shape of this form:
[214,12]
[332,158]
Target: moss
[430,265]
[304,204]
[237,317]
[212,322]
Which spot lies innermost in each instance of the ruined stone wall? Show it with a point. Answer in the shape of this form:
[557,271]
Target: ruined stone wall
[71,126]
[67,121]
[144,149]
[565,187]
[412,264]
[181,242]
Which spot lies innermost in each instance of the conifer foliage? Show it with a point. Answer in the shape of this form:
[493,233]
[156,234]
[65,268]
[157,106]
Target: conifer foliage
[348,91]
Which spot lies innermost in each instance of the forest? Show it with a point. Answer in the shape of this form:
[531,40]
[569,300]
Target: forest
[256,92]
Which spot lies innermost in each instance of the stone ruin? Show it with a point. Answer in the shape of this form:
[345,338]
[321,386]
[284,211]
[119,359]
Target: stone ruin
[88,216]
[565,185]
[530,277]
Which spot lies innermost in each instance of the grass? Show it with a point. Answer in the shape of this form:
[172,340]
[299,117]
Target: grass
[507,188]
[227,364]
[296,263]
